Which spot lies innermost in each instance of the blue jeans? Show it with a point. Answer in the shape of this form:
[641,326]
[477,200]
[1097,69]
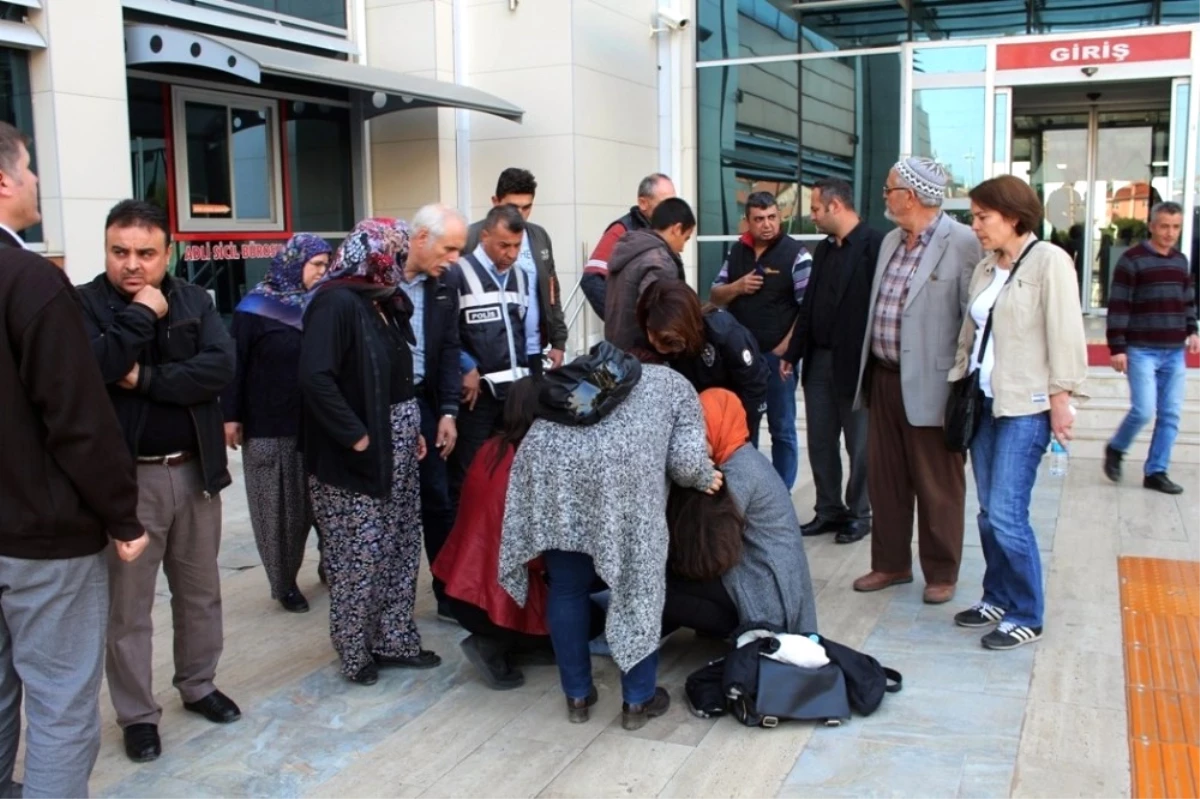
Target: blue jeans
[781,422]
[569,615]
[1157,382]
[1005,455]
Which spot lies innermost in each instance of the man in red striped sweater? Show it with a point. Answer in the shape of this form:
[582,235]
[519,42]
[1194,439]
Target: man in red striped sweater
[1151,321]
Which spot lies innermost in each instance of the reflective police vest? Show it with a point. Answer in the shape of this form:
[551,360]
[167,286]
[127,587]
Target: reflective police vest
[493,322]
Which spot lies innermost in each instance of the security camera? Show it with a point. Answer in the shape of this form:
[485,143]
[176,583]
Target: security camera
[672,19]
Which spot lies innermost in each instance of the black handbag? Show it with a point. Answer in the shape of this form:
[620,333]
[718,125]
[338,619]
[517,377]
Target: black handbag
[964,406]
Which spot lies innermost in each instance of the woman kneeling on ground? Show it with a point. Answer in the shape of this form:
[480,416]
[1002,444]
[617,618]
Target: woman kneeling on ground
[591,499]
[501,630]
[770,581]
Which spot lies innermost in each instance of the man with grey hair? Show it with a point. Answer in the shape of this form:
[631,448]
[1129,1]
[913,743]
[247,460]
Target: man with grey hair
[827,343]
[1151,322]
[652,190]
[437,235]
[917,304]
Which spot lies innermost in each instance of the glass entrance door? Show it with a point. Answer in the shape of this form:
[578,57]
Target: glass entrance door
[1098,171]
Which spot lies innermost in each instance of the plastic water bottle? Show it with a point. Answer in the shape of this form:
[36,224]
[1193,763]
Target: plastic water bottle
[1059,459]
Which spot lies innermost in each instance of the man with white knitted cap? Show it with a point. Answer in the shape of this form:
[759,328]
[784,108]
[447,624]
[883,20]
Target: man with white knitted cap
[917,305]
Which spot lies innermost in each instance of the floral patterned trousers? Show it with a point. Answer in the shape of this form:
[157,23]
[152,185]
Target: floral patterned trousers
[372,554]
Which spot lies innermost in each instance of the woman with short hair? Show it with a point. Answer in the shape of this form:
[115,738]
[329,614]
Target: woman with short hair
[262,408]
[707,345]
[1030,367]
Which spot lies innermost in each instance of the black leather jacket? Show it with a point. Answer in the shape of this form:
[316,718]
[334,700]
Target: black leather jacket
[196,364]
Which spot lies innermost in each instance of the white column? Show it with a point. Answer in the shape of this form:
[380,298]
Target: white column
[81,123]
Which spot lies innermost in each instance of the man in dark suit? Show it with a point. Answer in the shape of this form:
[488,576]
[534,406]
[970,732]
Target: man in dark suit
[436,238]
[517,187]
[829,334]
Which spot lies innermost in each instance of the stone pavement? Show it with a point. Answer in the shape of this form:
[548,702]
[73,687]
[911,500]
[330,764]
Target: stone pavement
[1044,720]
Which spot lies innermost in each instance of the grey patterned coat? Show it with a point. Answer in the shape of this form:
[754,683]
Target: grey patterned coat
[602,490]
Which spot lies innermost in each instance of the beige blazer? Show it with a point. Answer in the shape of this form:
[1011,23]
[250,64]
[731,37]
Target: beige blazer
[1038,339]
[932,318]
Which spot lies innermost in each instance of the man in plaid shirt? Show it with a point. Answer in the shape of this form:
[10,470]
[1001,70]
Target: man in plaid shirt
[917,307]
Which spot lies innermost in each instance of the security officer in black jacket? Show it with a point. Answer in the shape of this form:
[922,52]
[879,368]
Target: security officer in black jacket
[497,334]
[166,357]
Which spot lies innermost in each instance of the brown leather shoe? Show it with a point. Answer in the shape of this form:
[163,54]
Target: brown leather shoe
[937,594]
[877,581]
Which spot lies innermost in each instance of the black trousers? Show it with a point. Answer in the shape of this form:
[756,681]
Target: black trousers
[437,511]
[705,607]
[829,416]
[475,426]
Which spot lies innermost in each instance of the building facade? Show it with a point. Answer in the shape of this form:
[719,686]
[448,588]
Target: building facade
[1093,103]
[252,119]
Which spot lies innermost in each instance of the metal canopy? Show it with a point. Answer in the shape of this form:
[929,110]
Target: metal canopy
[382,91]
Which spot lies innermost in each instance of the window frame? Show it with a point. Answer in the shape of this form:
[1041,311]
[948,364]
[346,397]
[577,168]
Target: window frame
[186,223]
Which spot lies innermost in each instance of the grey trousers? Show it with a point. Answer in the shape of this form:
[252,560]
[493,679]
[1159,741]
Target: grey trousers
[829,416]
[185,538]
[51,649]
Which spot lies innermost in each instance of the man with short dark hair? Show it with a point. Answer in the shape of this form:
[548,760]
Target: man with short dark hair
[1151,322]
[641,258]
[762,282]
[517,187]
[66,487]
[652,190]
[494,327]
[827,343]
[166,357]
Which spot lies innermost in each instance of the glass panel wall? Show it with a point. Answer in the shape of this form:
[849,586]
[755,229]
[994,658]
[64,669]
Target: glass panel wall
[326,12]
[749,28]
[16,108]
[319,169]
[948,126]
[780,126]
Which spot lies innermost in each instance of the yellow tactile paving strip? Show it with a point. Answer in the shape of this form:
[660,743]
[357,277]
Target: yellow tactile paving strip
[1160,611]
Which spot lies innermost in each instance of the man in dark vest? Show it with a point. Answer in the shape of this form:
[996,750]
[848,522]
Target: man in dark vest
[536,259]
[762,283]
[828,342]
[495,329]
[651,191]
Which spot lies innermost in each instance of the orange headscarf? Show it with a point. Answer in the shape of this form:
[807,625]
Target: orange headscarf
[725,418]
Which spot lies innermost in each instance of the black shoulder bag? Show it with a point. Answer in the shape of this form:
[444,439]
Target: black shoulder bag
[964,406]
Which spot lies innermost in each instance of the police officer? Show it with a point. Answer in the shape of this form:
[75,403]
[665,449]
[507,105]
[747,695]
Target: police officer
[496,332]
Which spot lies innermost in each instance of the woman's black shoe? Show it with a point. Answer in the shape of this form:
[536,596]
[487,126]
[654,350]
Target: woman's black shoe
[492,663]
[293,601]
[422,660]
[367,675]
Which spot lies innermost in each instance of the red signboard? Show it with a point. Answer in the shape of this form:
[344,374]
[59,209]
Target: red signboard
[1093,52]
[230,250]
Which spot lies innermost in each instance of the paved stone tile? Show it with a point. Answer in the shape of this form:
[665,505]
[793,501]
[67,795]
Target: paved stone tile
[939,719]
[619,765]
[985,778]
[842,766]
[979,671]
[506,766]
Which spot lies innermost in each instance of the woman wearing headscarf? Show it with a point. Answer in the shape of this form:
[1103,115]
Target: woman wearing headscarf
[771,581]
[707,345]
[361,441]
[262,411]
[591,499]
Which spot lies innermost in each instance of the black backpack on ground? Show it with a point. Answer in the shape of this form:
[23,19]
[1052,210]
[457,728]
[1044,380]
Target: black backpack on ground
[867,680]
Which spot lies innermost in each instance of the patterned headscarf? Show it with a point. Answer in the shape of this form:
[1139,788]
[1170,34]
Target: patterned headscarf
[373,253]
[280,295]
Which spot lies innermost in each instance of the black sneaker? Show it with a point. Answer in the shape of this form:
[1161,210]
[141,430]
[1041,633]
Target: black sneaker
[1010,636]
[1112,464]
[1160,482]
[634,717]
[981,614]
[492,662]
